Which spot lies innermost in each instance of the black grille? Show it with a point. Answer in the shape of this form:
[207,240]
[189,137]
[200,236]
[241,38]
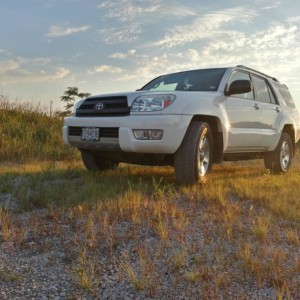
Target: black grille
[104,106]
[107,132]
[75,131]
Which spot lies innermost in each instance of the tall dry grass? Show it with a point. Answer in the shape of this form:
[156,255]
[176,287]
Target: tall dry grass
[27,133]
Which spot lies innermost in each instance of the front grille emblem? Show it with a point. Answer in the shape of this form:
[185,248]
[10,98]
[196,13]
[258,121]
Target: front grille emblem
[99,106]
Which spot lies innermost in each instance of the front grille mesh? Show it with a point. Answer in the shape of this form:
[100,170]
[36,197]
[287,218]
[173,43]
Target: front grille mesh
[107,132]
[75,131]
[111,106]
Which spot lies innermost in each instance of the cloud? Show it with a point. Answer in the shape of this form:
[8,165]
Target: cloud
[5,52]
[120,55]
[277,36]
[58,31]
[204,27]
[26,75]
[20,69]
[128,10]
[294,20]
[60,73]
[274,50]
[123,34]
[104,69]
[131,17]
[8,65]
[275,4]
[177,11]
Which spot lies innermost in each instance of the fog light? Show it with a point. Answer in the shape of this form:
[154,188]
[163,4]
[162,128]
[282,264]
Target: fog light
[155,134]
[148,134]
[140,134]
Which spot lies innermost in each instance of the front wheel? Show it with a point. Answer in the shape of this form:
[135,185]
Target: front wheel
[94,162]
[280,160]
[194,158]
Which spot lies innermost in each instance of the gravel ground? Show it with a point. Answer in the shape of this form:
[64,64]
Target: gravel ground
[199,252]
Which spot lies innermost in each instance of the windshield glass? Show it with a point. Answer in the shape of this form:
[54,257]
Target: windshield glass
[197,80]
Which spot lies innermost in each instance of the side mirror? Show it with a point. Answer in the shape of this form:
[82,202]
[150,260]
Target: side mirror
[239,87]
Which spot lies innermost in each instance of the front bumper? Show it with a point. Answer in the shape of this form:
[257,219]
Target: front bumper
[173,126]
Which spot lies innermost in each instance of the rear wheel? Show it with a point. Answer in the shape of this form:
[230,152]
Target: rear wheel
[193,159]
[94,162]
[280,160]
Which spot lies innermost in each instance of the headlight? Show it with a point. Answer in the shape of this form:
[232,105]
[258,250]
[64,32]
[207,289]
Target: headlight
[152,102]
[75,106]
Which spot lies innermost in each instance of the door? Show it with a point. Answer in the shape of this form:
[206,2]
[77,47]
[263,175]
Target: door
[244,118]
[271,111]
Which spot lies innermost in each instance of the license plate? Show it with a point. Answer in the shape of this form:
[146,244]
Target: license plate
[90,134]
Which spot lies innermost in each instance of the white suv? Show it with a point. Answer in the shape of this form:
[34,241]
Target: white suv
[191,120]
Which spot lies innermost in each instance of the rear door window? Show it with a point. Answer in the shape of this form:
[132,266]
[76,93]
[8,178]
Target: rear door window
[263,90]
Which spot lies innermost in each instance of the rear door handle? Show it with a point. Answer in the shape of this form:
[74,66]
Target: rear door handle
[277,109]
[256,106]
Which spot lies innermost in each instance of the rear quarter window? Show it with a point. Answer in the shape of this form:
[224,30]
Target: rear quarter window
[285,94]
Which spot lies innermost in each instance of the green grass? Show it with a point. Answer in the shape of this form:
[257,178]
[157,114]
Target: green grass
[42,185]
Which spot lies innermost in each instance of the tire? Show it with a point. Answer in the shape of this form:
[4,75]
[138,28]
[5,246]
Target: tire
[279,161]
[193,160]
[94,162]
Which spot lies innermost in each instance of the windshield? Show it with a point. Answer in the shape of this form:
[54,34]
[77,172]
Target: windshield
[197,80]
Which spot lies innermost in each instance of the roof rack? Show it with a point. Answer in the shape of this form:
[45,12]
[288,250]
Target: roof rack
[244,67]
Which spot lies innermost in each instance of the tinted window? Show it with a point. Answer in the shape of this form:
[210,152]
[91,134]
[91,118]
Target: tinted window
[263,91]
[197,80]
[273,100]
[237,75]
[284,91]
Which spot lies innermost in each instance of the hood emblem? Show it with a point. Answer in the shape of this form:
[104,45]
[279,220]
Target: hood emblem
[99,106]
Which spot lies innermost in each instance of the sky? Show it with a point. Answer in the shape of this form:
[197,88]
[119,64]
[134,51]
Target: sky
[119,45]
